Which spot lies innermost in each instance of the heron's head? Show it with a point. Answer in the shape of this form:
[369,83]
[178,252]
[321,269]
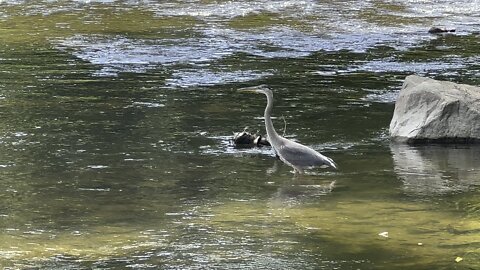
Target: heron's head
[260,89]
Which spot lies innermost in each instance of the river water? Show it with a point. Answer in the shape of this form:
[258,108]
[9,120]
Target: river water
[117,119]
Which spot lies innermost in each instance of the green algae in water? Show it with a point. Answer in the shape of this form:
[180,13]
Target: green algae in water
[20,28]
[418,235]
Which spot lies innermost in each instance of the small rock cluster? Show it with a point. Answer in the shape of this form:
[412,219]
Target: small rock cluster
[247,139]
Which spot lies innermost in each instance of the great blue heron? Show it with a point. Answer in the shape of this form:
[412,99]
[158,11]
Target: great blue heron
[292,153]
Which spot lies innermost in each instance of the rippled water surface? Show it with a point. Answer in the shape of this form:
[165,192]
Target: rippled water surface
[117,119]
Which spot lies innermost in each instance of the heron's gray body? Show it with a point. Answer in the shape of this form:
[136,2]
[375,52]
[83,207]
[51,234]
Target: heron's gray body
[300,156]
[291,153]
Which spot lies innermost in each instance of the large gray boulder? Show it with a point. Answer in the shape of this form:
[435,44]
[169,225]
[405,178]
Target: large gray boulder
[428,110]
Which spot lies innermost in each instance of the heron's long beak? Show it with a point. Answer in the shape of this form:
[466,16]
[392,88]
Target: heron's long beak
[251,89]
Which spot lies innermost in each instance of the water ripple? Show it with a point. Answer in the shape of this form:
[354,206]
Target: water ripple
[185,78]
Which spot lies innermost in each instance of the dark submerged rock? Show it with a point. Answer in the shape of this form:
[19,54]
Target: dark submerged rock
[437,30]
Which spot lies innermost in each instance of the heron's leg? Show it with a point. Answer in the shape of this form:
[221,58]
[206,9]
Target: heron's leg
[274,168]
[298,170]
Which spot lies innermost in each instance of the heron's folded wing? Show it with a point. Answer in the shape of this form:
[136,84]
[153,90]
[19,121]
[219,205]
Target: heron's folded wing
[300,155]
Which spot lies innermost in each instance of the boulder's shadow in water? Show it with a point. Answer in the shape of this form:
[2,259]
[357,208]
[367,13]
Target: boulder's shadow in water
[437,169]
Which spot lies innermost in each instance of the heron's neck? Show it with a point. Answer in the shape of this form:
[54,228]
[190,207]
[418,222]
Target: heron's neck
[272,134]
